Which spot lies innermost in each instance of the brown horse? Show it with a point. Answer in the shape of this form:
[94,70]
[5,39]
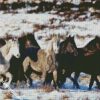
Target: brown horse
[46,59]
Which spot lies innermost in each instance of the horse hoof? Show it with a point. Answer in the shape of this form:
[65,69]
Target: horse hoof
[1,84]
[89,88]
[6,86]
[57,88]
[77,86]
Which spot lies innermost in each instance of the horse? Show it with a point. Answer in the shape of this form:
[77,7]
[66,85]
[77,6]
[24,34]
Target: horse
[46,59]
[10,49]
[71,59]
[96,4]
[16,68]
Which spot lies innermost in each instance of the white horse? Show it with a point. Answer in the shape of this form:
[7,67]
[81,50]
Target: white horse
[46,57]
[11,48]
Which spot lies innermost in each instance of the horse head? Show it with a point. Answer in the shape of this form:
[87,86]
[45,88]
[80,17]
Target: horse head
[14,48]
[68,46]
[54,43]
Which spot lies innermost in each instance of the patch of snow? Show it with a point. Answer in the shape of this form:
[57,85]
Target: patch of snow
[80,43]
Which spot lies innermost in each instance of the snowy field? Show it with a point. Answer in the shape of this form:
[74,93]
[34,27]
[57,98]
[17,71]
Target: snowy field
[67,92]
[39,94]
[47,23]
[44,24]
[54,95]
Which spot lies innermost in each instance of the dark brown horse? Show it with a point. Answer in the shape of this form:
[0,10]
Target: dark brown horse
[16,67]
[72,59]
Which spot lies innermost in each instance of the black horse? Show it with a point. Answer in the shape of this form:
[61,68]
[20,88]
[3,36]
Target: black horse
[72,59]
[16,67]
[96,5]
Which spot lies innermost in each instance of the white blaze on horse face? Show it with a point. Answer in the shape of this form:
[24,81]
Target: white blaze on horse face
[15,49]
[56,46]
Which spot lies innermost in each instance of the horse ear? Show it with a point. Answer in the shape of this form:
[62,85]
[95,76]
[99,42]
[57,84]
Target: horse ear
[6,41]
[15,39]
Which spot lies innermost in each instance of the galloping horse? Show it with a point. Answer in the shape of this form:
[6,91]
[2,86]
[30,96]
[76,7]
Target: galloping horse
[16,67]
[11,48]
[46,58]
[73,59]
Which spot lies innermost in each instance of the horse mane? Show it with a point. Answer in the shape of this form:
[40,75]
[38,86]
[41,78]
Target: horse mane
[5,49]
[64,44]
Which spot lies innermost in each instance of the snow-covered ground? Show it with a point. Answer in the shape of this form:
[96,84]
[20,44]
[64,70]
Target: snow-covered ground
[48,23]
[66,93]
[38,94]
[22,23]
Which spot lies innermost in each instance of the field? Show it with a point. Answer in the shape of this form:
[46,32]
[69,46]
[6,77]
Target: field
[67,92]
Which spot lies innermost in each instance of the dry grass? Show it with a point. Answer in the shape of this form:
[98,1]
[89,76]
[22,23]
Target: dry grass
[47,88]
[7,95]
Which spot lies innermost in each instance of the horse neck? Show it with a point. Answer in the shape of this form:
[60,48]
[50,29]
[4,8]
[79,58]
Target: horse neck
[5,50]
[49,48]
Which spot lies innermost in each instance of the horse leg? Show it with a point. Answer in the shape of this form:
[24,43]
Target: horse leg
[75,82]
[9,77]
[48,78]
[26,68]
[55,79]
[60,77]
[93,77]
[76,76]
[26,63]
[2,79]
[27,75]
[97,82]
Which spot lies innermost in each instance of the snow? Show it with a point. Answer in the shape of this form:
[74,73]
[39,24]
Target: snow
[66,94]
[82,42]
[17,24]
[23,23]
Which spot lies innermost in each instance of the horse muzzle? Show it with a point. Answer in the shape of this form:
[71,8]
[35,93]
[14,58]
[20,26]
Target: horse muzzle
[18,56]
